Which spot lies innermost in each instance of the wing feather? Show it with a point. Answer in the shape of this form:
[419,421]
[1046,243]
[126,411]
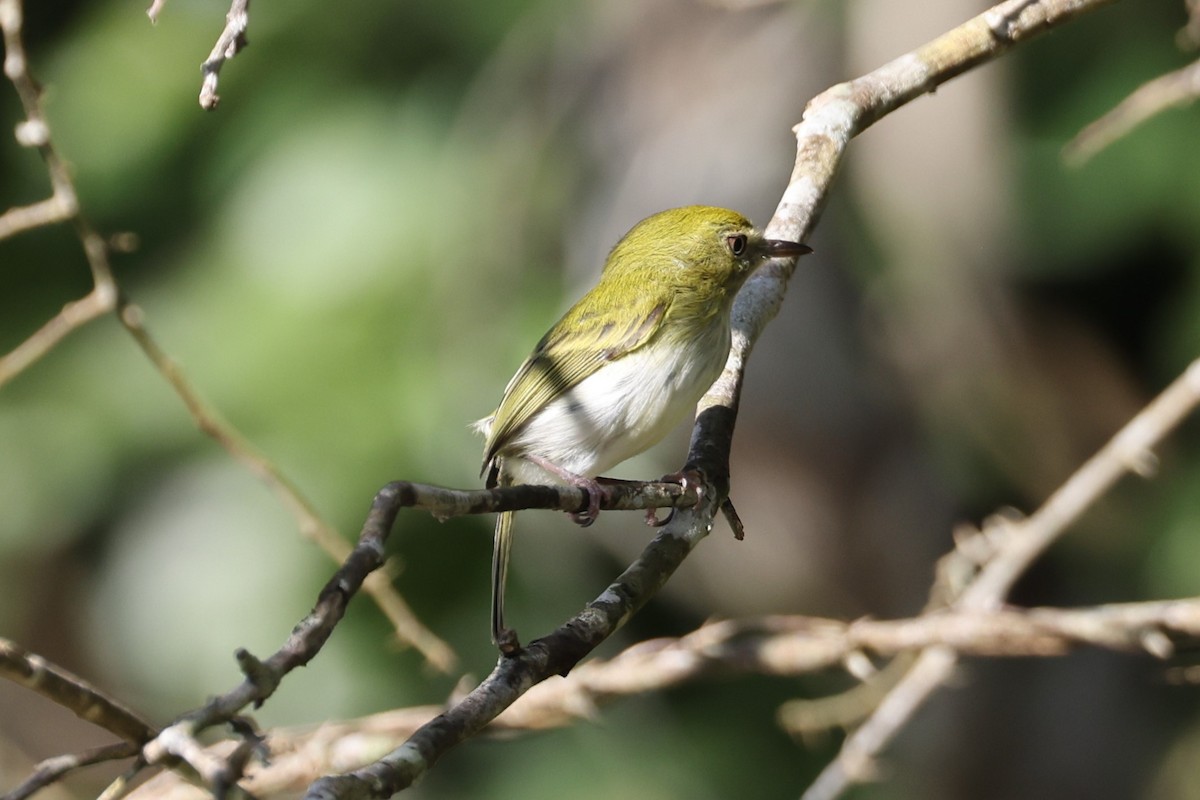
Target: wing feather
[579,344]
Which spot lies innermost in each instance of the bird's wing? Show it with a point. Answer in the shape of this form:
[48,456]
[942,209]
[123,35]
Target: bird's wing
[579,344]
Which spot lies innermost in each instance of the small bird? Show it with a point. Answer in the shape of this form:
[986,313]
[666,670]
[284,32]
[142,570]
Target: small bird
[624,365]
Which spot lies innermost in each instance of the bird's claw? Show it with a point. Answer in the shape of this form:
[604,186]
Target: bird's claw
[594,492]
[652,517]
[686,478]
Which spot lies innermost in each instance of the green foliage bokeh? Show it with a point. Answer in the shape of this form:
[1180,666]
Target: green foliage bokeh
[351,255]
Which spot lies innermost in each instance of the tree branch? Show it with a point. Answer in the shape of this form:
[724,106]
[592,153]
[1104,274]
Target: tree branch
[777,645]
[975,619]
[231,42]
[830,121]
[55,768]
[1173,90]
[554,655]
[1017,543]
[73,693]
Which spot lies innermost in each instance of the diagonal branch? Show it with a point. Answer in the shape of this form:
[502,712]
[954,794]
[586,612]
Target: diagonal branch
[1019,543]
[73,693]
[231,42]
[554,655]
[830,121]
[53,769]
[1173,90]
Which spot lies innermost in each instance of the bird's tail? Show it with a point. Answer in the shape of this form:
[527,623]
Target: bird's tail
[501,548]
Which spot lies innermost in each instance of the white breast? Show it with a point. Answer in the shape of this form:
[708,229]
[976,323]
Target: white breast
[623,408]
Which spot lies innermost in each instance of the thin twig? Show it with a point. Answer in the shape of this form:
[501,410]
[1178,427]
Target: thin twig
[513,676]
[229,44]
[73,693]
[775,645]
[1173,90]
[24,218]
[570,643]
[53,769]
[156,7]
[1022,542]
[74,315]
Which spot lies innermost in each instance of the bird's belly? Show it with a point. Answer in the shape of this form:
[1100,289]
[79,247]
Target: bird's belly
[625,407]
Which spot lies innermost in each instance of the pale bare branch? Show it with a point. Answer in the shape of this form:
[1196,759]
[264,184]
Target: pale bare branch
[229,44]
[780,646]
[1173,90]
[1016,548]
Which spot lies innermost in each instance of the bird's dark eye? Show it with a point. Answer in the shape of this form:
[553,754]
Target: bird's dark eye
[736,243]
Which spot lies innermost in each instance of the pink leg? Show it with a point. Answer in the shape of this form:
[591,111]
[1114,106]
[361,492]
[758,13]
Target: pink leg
[590,485]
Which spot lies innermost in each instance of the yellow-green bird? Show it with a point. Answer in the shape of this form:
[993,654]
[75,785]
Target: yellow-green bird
[624,365]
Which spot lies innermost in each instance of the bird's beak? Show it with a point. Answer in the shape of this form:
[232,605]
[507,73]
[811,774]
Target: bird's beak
[777,248]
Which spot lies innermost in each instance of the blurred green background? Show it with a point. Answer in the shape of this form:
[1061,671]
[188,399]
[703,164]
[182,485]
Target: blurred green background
[351,256]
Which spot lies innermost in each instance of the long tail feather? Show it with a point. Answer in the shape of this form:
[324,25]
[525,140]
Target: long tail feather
[501,548]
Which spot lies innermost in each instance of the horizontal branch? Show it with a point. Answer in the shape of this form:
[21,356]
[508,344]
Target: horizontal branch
[776,645]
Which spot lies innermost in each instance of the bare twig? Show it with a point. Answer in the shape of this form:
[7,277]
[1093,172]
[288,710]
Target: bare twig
[229,44]
[781,646]
[53,769]
[1022,542]
[554,654]
[1130,450]
[74,315]
[156,7]
[310,634]
[830,121]
[73,693]
[1175,89]
[573,641]
[23,218]
[406,625]
[1189,35]
[61,206]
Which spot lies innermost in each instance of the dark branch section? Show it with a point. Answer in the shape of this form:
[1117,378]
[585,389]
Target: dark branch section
[712,440]
[554,654]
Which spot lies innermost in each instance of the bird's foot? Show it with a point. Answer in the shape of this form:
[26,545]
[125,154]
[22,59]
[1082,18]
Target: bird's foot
[686,478]
[595,492]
